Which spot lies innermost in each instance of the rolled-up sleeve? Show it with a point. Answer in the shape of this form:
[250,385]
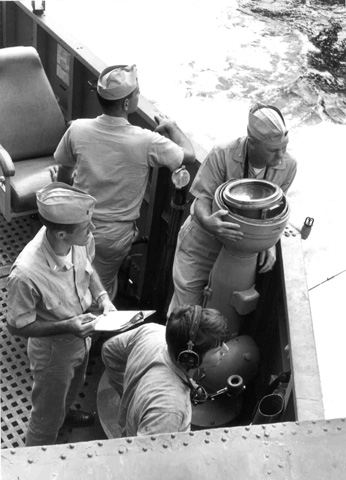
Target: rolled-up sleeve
[64,152]
[162,421]
[22,300]
[210,175]
[290,174]
[163,152]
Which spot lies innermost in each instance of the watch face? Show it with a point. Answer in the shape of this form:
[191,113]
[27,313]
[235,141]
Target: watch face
[180,177]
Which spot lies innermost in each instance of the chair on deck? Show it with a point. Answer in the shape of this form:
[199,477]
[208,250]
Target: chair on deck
[31,126]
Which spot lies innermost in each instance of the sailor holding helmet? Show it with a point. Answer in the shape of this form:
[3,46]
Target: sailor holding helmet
[261,154]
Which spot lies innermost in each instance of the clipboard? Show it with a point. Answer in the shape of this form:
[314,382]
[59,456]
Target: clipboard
[121,320]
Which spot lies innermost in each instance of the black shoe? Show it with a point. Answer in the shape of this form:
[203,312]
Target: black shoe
[78,418]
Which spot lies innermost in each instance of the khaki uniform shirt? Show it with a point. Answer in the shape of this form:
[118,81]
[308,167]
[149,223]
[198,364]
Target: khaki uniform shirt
[42,287]
[113,160]
[226,161]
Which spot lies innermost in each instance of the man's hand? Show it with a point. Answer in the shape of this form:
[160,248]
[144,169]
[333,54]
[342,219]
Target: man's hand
[165,126]
[105,304]
[169,129]
[267,259]
[82,325]
[53,170]
[225,231]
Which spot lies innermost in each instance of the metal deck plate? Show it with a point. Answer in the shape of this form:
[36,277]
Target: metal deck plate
[13,237]
[15,373]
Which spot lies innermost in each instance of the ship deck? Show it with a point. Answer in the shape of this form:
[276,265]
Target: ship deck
[314,194]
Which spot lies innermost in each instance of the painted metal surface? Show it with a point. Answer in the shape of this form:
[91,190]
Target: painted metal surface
[303,356]
[281,451]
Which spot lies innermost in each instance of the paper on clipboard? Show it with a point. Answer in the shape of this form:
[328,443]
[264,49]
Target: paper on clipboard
[120,320]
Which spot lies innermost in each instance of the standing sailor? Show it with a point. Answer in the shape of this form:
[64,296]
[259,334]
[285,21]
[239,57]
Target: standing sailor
[111,159]
[51,286]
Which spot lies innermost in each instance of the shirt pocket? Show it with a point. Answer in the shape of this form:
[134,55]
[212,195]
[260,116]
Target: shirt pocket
[53,303]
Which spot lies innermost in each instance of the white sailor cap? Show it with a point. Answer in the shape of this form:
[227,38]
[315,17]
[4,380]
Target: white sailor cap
[266,124]
[117,82]
[61,203]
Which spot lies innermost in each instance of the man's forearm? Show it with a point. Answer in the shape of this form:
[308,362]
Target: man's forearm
[178,137]
[40,328]
[65,174]
[96,286]
[202,210]
[170,129]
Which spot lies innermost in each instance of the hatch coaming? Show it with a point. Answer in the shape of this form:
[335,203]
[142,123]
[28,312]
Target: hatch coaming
[302,450]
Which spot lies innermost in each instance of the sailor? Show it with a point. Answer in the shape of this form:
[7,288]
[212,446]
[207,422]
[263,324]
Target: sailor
[51,286]
[110,158]
[261,154]
[152,369]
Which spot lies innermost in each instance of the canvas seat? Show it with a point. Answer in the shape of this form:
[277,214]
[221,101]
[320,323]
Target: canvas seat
[31,126]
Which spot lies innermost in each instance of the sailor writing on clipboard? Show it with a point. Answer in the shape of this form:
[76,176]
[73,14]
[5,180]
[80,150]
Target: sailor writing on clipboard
[51,288]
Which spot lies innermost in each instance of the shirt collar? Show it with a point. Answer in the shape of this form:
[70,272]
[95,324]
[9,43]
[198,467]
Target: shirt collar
[241,150]
[54,261]
[110,120]
[179,371]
